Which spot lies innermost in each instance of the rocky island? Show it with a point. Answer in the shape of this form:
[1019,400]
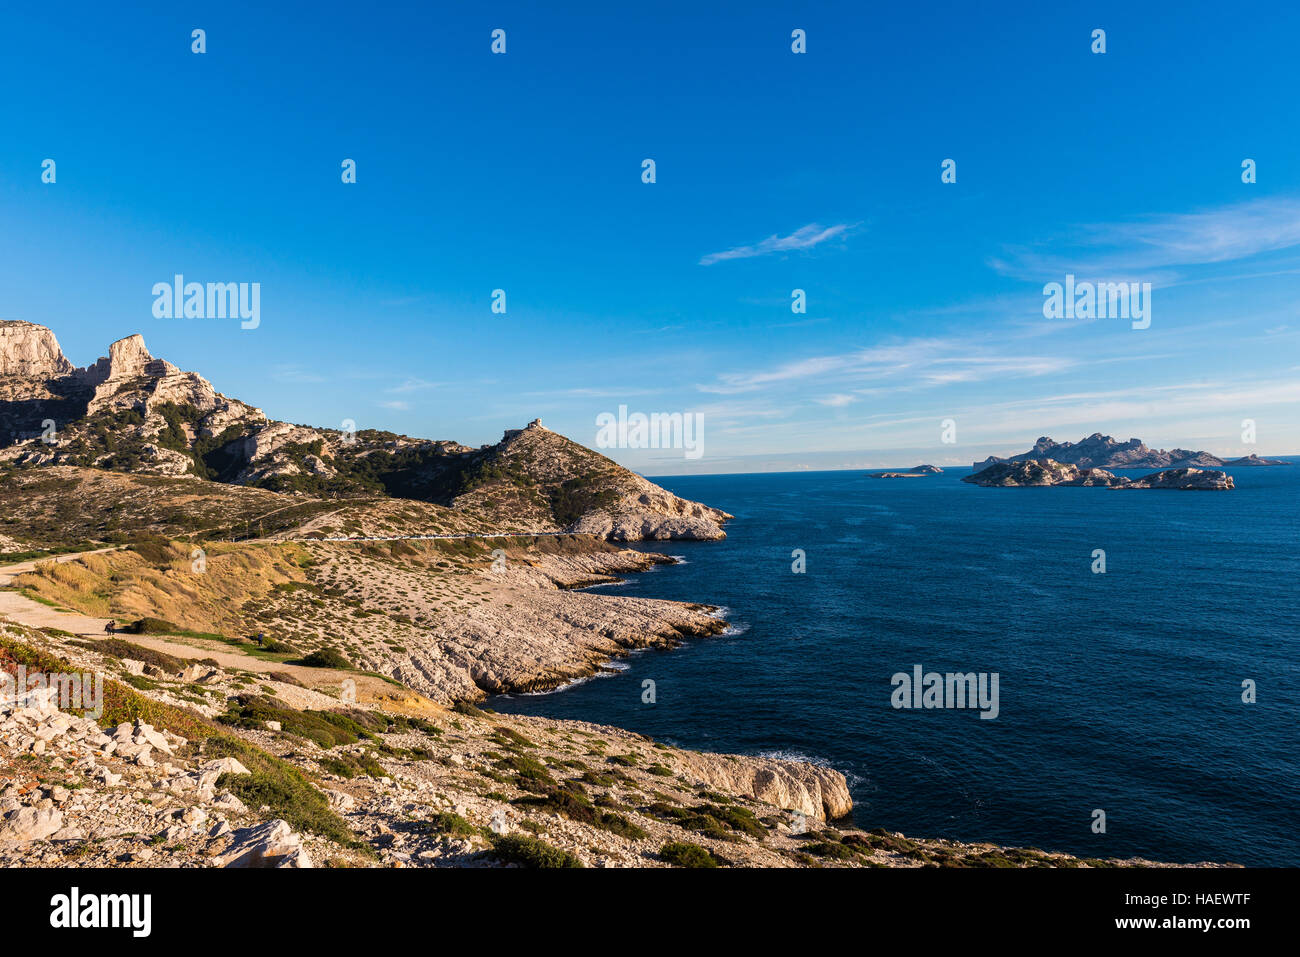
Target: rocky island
[1103,452]
[915,471]
[1253,460]
[1047,472]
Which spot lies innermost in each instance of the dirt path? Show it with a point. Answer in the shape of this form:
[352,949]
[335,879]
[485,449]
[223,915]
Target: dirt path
[33,614]
[370,690]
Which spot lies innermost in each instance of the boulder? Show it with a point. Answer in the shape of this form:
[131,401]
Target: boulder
[30,824]
[270,844]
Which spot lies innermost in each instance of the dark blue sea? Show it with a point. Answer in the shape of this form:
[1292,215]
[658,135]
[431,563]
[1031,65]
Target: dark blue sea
[1119,691]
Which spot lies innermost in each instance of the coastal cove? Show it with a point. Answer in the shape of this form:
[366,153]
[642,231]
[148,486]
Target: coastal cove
[1119,691]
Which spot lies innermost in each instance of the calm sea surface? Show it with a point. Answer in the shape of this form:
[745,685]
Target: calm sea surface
[1120,691]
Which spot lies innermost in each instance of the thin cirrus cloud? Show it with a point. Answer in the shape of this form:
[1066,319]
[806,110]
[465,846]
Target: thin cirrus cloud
[1160,243]
[837,401]
[927,361]
[806,237]
[413,384]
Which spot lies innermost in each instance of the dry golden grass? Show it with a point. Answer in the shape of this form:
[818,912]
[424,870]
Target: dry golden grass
[127,585]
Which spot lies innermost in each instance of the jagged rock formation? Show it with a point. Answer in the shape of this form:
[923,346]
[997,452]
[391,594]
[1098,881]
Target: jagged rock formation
[1039,472]
[132,412]
[1103,452]
[1044,472]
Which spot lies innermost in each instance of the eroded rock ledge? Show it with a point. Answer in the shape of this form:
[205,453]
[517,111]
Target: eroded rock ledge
[816,791]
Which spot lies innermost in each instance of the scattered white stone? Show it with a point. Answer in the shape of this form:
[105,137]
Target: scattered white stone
[228,802]
[340,800]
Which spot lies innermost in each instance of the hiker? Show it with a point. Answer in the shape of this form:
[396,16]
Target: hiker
[110,628]
[259,639]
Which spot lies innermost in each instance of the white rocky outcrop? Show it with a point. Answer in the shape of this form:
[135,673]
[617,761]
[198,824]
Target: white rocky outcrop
[810,789]
[126,359]
[27,349]
[653,513]
[262,452]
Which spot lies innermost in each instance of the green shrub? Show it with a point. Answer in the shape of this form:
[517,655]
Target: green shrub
[685,854]
[832,850]
[350,765]
[117,648]
[530,773]
[151,626]
[326,658]
[326,728]
[570,801]
[528,851]
[712,820]
[447,822]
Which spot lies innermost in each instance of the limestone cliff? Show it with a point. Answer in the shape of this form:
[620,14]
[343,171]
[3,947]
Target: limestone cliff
[27,349]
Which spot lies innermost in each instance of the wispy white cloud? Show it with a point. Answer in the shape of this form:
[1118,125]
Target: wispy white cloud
[296,374]
[806,237]
[396,404]
[837,401]
[412,384]
[922,361]
[1156,246]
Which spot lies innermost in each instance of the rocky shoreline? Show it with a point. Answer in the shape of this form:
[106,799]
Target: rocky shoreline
[270,785]
[236,760]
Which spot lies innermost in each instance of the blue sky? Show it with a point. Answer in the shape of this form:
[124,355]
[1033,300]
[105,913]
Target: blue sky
[775,171]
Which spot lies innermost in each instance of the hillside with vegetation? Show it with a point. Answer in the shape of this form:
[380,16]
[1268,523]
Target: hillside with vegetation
[134,414]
